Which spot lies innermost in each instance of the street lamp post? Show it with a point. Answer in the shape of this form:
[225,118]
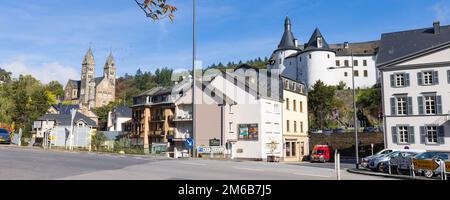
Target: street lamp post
[194,56]
[354,106]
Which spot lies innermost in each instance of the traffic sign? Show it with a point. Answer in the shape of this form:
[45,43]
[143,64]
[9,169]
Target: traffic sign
[425,164]
[189,143]
[205,150]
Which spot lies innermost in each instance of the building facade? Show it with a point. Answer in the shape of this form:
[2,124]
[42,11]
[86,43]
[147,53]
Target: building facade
[91,92]
[312,61]
[295,120]
[117,117]
[415,68]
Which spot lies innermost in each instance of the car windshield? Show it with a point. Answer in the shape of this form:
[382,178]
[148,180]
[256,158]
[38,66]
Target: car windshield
[427,155]
[384,152]
[319,152]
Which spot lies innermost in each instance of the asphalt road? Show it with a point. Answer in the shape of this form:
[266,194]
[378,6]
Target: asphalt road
[25,164]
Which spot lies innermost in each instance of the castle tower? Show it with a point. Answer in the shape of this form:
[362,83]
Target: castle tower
[87,76]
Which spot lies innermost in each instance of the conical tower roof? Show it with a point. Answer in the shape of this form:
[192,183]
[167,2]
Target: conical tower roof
[287,41]
[89,57]
[110,61]
[313,41]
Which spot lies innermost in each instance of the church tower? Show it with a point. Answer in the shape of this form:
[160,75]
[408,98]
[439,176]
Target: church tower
[87,77]
[109,71]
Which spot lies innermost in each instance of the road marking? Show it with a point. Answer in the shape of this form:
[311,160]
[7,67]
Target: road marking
[249,169]
[189,163]
[314,175]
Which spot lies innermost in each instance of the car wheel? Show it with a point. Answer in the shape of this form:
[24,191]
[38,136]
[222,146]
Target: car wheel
[380,167]
[428,173]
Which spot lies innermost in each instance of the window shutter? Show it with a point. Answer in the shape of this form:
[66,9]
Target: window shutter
[423,135]
[419,78]
[411,137]
[441,135]
[410,106]
[439,104]
[448,76]
[435,77]
[420,102]
[393,107]
[407,82]
[392,80]
[394,135]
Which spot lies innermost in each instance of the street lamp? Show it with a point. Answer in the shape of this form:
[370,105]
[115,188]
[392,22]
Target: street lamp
[194,57]
[354,105]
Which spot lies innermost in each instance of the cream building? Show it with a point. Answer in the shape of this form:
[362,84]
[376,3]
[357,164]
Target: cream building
[295,121]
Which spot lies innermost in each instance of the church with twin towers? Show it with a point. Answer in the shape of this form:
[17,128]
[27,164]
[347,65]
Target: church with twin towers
[92,92]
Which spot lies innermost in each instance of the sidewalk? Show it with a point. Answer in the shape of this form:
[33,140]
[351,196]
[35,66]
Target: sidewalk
[400,177]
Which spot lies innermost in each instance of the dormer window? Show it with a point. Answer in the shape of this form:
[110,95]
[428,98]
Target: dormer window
[319,42]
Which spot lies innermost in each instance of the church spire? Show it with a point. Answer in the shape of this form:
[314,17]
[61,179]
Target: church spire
[287,24]
[89,57]
[288,40]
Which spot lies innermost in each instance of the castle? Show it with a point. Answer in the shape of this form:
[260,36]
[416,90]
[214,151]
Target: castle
[330,63]
[91,92]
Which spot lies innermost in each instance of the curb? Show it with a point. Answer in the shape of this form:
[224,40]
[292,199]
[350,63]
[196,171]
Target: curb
[364,172]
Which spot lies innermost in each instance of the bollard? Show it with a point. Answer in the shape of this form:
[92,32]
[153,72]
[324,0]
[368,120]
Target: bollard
[337,164]
[413,174]
[390,170]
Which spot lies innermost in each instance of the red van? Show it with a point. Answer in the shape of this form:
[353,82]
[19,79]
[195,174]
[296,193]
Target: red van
[321,153]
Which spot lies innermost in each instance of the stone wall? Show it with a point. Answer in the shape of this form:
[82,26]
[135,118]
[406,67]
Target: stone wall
[345,142]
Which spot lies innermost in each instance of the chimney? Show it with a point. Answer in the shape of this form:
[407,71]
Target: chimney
[345,45]
[295,42]
[437,27]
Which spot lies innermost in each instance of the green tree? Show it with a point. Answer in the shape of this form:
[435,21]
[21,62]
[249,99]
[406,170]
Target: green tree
[56,88]
[163,77]
[5,76]
[321,103]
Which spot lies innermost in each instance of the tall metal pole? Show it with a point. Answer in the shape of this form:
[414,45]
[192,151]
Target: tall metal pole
[354,110]
[194,55]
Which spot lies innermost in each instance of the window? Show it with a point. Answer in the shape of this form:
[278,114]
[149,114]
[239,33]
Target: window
[279,61]
[403,134]
[286,84]
[295,105]
[430,105]
[287,103]
[295,126]
[300,59]
[356,73]
[364,63]
[432,134]
[287,126]
[288,149]
[355,63]
[366,74]
[346,63]
[338,63]
[428,78]
[401,106]
[328,55]
[294,149]
[291,149]
[230,127]
[399,80]
[310,56]
[276,108]
[346,74]
[294,86]
[276,128]
[268,107]
[301,106]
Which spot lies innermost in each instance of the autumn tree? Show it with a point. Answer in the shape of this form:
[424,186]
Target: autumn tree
[157,9]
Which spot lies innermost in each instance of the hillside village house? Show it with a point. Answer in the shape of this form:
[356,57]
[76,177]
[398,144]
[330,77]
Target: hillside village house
[311,61]
[118,117]
[415,66]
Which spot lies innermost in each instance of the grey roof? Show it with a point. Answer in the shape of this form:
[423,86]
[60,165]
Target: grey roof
[65,109]
[358,49]
[312,43]
[287,41]
[75,83]
[398,45]
[123,111]
[98,80]
[65,119]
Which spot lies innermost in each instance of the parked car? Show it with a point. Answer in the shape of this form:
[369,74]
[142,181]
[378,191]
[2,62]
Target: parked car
[5,137]
[402,163]
[433,155]
[340,130]
[315,130]
[369,129]
[365,161]
[321,153]
[328,131]
[381,163]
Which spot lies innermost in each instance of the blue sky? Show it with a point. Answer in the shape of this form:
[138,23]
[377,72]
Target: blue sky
[48,38]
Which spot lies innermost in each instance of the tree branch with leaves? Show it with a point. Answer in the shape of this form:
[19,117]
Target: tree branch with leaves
[157,9]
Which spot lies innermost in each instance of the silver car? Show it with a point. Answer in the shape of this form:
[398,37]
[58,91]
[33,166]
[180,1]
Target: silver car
[365,161]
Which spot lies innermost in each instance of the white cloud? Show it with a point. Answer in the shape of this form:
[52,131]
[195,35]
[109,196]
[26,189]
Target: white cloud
[442,11]
[41,70]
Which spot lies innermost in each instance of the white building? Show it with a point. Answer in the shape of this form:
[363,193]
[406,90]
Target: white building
[117,117]
[253,123]
[312,61]
[415,68]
